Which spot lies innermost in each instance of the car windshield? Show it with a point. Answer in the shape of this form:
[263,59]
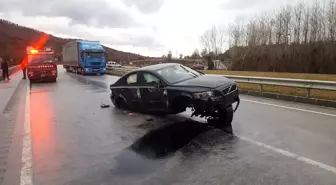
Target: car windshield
[178,73]
[40,59]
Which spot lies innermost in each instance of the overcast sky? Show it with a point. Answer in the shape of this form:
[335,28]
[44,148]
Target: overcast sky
[147,27]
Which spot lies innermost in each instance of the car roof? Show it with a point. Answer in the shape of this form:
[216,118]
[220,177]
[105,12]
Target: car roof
[156,67]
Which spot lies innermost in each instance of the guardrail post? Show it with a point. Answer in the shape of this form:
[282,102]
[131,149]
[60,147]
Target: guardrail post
[308,93]
[261,88]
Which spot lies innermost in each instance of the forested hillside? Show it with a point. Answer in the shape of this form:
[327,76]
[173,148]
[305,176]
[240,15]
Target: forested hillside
[14,39]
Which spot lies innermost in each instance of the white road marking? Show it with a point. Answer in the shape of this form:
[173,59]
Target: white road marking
[283,152]
[291,155]
[292,108]
[26,177]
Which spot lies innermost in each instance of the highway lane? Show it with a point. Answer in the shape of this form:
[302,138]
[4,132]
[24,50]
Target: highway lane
[74,141]
[300,128]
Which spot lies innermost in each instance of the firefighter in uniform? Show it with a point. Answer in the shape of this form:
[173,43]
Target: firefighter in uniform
[24,69]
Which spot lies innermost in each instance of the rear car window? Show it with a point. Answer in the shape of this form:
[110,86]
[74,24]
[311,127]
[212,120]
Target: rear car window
[132,79]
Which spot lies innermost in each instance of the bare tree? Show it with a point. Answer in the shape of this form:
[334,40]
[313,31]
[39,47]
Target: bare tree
[331,19]
[286,16]
[236,32]
[279,27]
[298,16]
[195,54]
[251,33]
[214,39]
[169,55]
[204,52]
[270,22]
[314,22]
[306,21]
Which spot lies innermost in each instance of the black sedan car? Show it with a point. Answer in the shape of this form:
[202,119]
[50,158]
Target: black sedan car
[170,88]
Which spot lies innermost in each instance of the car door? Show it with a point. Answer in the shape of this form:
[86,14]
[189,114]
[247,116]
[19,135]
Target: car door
[153,96]
[131,91]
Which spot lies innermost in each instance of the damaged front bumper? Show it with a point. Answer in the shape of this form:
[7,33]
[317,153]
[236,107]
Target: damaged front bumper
[210,106]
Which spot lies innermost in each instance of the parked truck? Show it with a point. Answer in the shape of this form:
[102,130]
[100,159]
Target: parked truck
[84,57]
[41,64]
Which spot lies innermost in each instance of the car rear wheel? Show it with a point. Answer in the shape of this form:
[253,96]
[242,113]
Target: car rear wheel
[224,119]
[120,103]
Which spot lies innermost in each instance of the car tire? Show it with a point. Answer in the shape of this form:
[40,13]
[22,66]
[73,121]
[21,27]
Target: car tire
[224,119]
[120,103]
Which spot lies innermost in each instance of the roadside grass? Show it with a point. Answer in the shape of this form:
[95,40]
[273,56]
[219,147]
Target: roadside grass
[319,94]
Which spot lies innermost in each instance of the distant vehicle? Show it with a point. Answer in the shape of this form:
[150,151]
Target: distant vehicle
[198,67]
[42,64]
[170,88]
[84,57]
[111,64]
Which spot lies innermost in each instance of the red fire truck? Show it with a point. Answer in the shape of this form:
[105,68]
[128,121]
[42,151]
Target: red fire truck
[42,64]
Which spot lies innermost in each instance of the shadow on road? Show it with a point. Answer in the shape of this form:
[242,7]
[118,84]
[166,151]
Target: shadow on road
[166,140]
[180,139]
[152,150]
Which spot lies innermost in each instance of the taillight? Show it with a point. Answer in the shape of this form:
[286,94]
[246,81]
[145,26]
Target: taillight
[54,72]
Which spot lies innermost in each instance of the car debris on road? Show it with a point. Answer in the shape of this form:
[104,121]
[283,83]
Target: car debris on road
[104,105]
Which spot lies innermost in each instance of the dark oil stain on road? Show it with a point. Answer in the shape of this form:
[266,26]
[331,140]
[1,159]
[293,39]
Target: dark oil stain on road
[152,150]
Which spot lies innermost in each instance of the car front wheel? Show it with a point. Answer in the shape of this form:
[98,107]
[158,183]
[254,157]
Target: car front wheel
[224,119]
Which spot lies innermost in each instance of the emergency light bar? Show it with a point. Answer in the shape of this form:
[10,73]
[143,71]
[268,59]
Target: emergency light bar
[46,50]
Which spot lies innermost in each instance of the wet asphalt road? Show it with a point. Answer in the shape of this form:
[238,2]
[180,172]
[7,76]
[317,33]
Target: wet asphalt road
[74,141]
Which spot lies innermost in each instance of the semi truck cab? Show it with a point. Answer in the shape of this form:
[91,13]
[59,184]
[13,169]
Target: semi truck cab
[94,61]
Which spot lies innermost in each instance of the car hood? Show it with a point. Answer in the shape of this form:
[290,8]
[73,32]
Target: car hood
[207,81]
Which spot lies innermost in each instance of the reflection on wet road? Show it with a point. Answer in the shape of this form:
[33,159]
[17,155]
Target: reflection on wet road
[77,142]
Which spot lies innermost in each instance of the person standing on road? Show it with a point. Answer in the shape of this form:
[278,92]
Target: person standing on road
[1,72]
[24,70]
[4,67]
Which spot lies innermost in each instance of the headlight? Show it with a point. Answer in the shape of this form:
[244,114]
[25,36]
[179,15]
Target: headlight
[204,95]
[103,68]
[86,69]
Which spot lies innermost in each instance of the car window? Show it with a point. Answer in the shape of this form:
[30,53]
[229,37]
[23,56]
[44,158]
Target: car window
[132,79]
[177,73]
[149,78]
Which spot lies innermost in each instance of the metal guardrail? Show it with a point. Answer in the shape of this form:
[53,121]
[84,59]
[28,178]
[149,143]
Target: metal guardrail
[119,71]
[285,82]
